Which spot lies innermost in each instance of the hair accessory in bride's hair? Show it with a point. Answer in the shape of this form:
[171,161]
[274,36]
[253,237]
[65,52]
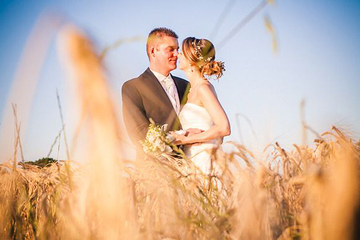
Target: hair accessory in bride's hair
[197,50]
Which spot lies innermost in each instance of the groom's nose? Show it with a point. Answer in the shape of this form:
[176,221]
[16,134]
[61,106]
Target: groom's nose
[176,53]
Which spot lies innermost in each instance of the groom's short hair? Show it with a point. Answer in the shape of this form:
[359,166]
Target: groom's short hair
[157,33]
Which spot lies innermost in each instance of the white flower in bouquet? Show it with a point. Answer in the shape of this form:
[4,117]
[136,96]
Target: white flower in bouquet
[157,141]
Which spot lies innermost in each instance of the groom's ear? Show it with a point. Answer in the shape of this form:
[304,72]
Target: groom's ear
[152,50]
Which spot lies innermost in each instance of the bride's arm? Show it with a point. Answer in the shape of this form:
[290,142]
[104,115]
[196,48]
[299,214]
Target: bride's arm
[221,128]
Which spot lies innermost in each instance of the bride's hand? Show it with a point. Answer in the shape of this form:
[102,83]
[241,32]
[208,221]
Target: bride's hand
[181,136]
[192,131]
[179,139]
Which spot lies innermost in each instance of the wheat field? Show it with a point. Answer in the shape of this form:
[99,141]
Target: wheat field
[305,193]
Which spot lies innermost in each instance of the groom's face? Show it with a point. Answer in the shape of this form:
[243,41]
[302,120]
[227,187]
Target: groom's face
[166,53]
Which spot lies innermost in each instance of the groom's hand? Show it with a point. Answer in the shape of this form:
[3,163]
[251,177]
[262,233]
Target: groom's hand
[192,131]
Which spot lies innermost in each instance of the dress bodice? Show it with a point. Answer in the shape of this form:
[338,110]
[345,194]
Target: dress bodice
[195,116]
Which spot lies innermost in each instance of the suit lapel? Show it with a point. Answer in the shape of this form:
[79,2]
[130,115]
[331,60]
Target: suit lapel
[177,87]
[182,93]
[157,88]
[154,86]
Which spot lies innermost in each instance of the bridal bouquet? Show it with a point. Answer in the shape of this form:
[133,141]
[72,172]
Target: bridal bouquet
[158,140]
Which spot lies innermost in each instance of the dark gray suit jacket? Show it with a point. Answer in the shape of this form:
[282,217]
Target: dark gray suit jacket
[144,98]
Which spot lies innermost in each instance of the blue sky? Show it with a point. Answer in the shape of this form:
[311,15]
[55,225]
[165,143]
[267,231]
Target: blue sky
[318,60]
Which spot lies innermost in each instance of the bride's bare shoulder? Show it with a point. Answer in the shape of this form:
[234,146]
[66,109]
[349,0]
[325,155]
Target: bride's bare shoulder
[206,88]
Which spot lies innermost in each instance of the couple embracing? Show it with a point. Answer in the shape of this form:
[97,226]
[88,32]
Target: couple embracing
[192,106]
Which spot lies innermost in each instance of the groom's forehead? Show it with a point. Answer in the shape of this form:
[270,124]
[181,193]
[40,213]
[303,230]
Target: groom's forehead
[168,41]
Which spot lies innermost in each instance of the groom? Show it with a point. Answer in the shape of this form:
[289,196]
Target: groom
[155,94]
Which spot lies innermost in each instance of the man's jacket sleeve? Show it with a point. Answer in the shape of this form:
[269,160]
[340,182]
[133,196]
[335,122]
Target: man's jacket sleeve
[135,119]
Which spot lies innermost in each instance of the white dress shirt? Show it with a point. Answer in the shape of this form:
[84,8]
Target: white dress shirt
[170,88]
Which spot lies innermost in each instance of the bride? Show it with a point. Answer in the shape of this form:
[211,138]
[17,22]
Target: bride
[203,110]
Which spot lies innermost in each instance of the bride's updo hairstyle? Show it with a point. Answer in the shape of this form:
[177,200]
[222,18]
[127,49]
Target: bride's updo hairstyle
[201,52]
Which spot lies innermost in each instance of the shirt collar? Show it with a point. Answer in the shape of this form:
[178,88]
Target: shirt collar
[159,76]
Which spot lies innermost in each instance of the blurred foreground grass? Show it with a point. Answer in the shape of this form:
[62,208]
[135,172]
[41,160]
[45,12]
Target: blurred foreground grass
[308,193]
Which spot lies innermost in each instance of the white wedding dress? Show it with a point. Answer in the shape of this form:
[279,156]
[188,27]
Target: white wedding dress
[195,116]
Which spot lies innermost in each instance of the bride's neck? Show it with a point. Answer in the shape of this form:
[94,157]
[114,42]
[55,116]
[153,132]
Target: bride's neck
[194,77]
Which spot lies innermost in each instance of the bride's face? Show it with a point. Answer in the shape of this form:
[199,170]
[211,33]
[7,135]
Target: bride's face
[183,62]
